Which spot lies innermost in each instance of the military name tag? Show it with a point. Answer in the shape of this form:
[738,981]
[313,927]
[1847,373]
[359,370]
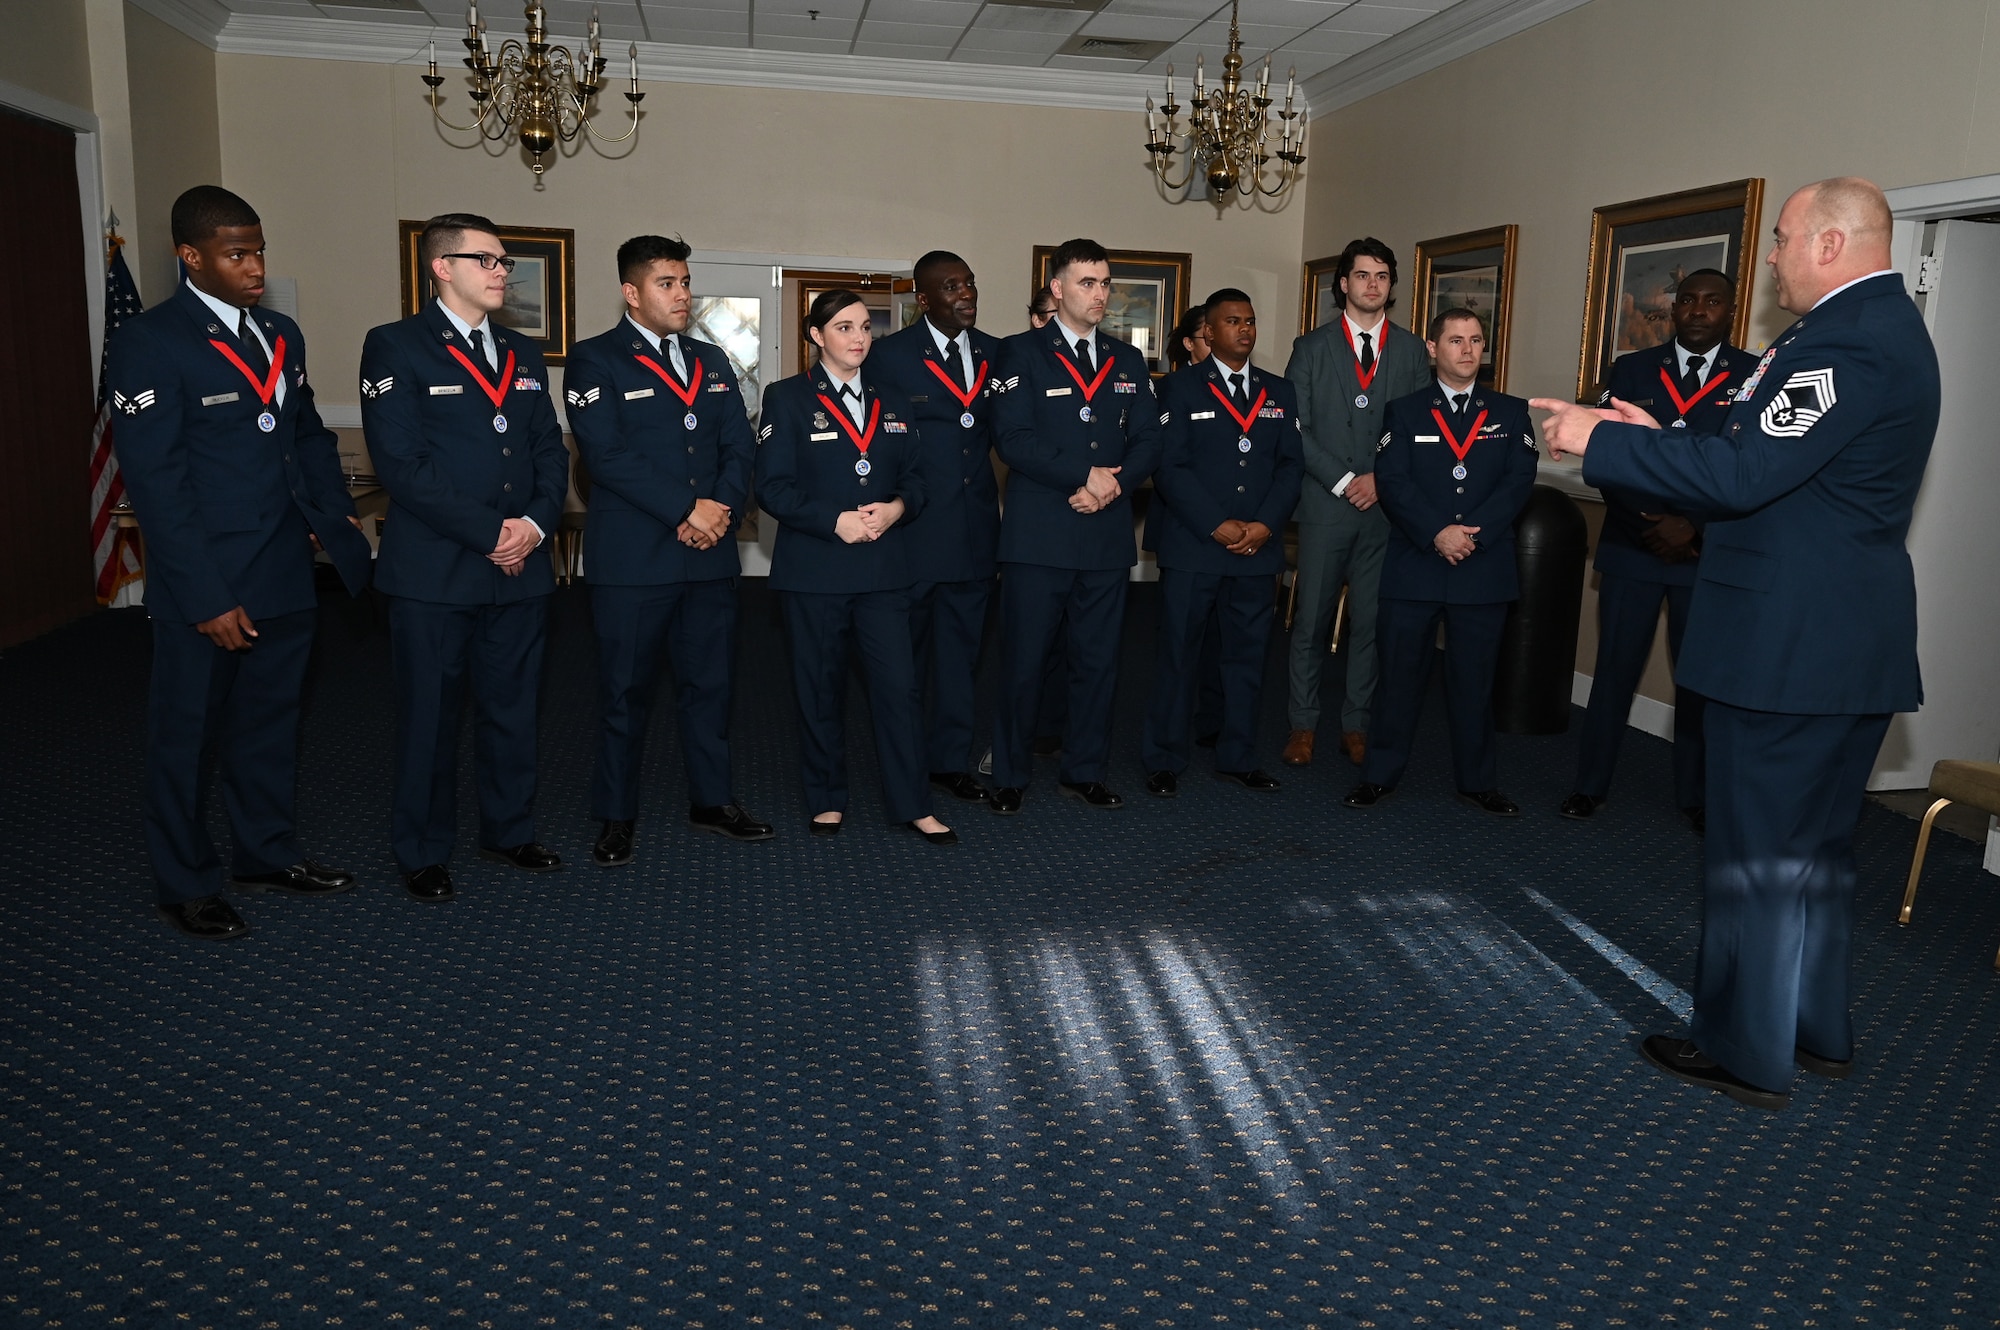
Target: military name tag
[220,398]
[1423,438]
[447,389]
[1057,392]
[1201,415]
[637,393]
[827,437]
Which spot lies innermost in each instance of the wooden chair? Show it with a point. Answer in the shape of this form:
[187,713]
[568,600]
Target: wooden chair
[568,552]
[1975,784]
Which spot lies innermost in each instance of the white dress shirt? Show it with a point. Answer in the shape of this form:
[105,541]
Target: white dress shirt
[230,316]
[485,330]
[964,344]
[1071,338]
[853,403]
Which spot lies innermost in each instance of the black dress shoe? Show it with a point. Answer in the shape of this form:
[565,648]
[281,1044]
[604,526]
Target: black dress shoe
[1005,801]
[1819,1066]
[1209,740]
[1697,819]
[1163,784]
[614,844]
[530,857]
[304,878]
[826,828]
[1367,794]
[1094,794]
[1491,801]
[731,821]
[212,919]
[960,785]
[430,884]
[1580,806]
[945,837]
[1680,1059]
[1047,745]
[1259,781]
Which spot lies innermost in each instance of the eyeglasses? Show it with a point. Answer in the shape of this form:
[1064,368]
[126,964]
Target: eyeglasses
[505,263]
[1035,312]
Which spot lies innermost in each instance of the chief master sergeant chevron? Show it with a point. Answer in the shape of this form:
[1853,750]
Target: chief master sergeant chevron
[1802,634]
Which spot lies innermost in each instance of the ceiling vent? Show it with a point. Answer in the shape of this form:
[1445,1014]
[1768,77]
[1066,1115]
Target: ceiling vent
[1114,48]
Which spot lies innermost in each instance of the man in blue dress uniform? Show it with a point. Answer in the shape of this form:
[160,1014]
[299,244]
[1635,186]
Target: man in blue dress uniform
[1803,632]
[1456,465]
[945,366]
[660,423]
[1645,557]
[235,482]
[1230,462]
[1079,429]
[466,441]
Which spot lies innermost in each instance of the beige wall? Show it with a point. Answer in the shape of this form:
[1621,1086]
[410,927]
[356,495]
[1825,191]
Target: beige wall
[47,49]
[175,137]
[333,154]
[1543,127]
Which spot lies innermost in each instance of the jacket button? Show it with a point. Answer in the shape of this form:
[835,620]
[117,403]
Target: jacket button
[506,452]
[1239,489]
[690,452]
[864,480]
[965,482]
[1093,446]
[1461,489]
[691,480]
[506,489]
[1243,461]
[288,457]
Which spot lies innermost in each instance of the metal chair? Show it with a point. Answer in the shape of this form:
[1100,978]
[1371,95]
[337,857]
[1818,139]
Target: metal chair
[1975,784]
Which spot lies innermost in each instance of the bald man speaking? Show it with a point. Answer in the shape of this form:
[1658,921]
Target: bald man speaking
[1802,634]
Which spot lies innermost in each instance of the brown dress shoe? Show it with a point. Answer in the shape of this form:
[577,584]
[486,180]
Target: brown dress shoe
[1356,745]
[1299,749]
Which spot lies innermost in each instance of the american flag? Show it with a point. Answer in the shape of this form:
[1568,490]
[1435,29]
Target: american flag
[114,549]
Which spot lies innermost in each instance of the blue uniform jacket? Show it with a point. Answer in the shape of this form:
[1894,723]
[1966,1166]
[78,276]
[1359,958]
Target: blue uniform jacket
[452,477]
[1804,601]
[1413,466]
[1208,477]
[806,478]
[225,507]
[959,534]
[646,466]
[1049,449]
[1635,378]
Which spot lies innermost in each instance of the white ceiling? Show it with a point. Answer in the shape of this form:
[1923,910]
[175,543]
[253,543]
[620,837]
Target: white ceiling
[977,49]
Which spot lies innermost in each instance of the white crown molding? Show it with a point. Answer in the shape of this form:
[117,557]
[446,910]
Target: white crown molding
[1440,39]
[659,62]
[28,102]
[199,19]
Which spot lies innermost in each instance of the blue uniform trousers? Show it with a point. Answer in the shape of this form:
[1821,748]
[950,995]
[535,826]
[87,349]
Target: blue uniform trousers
[693,625]
[243,708]
[1405,634]
[434,650]
[1202,613]
[947,620]
[876,624]
[1034,603]
[1777,920]
[1628,611]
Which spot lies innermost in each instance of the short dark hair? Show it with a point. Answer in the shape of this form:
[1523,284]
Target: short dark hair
[642,252]
[1075,251]
[1374,249]
[829,303]
[202,211]
[443,232]
[1228,295]
[1445,316]
[1177,353]
[932,261]
[1041,300]
[1716,273]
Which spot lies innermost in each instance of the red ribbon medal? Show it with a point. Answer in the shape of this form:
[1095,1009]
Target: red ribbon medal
[694,384]
[1685,406]
[1458,450]
[266,388]
[1364,379]
[1089,390]
[1242,420]
[861,440]
[495,395]
[966,396]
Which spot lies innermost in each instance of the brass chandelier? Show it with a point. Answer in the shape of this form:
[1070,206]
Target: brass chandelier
[1228,138]
[541,92]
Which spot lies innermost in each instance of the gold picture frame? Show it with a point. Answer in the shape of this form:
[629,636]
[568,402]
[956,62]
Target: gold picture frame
[1149,293]
[1639,251]
[1473,270]
[1319,294]
[541,291]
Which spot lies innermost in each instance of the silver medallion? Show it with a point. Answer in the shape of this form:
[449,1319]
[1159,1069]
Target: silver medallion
[1458,472]
[1085,415]
[1243,444]
[966,420]
[1361,401]
[1679,424]
[688,420]
[861,466]
[499,424]
[267,422]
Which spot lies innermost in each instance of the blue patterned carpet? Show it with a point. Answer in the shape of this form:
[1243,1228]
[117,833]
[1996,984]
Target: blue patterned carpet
[1228,1061]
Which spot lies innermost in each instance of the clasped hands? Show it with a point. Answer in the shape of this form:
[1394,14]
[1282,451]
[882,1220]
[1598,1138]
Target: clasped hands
[1241,537]
[707,524]
[867,522]
[1099,491]
[518,538]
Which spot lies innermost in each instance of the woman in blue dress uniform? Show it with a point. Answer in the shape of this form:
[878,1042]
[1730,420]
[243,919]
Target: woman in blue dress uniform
[838,467]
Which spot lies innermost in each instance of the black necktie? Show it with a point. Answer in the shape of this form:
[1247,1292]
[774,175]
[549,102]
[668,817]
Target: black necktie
[853,403]
[1691,381]
[1083,354]
[1237,389]
[253,350]
[954,360]
[1458,401]
[478,340]
[1367,352]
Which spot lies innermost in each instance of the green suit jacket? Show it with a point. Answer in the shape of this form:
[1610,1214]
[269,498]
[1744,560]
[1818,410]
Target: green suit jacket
[1339,436]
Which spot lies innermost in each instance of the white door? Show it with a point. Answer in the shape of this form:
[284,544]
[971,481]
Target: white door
[1954,543]
[736,307]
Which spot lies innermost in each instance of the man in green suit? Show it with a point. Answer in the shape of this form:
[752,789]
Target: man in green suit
[1345,373]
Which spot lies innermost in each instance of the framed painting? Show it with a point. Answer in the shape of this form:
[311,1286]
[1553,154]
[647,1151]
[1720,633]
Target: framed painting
[887,297]
[1148,296]
[1639,251]
[541,291]
[1319,294]
[1472,270]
